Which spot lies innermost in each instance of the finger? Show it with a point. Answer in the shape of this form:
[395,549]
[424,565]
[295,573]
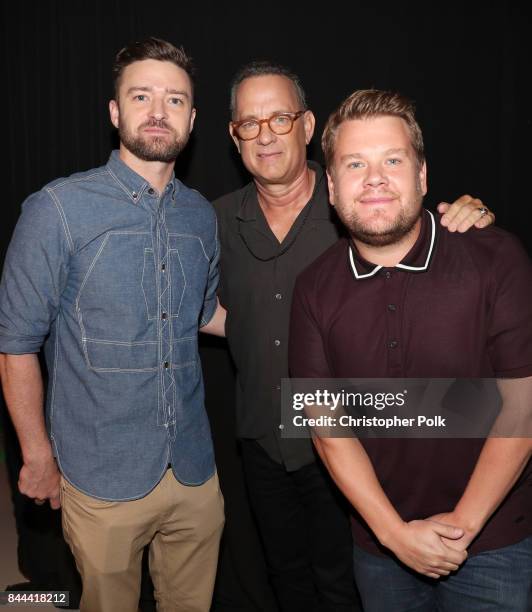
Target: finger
[450,211]
[479,216]
[55,503]
[431,575]
[485,220]
[466,216]
[447,531]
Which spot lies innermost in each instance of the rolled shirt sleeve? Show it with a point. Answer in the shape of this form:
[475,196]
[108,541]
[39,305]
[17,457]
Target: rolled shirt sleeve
[34,275]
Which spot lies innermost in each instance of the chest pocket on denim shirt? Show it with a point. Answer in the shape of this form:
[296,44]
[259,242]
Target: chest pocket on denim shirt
[118,300]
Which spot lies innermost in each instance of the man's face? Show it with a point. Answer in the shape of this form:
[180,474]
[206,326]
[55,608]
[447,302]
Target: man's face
[272,158]
[376,183]
[153,113]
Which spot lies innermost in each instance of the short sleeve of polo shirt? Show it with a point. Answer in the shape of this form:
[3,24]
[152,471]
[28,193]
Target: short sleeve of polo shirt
[510,325]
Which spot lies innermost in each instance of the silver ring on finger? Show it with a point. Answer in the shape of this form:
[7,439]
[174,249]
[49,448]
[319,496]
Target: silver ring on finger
[483,211]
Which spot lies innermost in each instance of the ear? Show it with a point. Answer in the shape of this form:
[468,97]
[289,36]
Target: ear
[234,137]
[423,178]
[192,119]
[309,121]
[330,184]
[114,112]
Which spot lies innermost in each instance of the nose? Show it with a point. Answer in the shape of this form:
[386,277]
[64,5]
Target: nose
[266,136]
[375,176]
[157,109]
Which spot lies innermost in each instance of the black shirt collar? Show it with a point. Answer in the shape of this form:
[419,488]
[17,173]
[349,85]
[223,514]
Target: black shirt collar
[249,207]
[416,260]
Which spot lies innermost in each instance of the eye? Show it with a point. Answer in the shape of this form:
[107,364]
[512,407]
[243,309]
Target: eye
[393,161]
[248,125]
[281,120]
[355,165]
[176,101]
[140,97]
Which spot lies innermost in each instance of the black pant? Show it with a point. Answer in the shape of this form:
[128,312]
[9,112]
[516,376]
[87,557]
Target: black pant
[304,524]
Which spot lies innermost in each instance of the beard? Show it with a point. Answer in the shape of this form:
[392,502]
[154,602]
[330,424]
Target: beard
[374,232]
[153,148]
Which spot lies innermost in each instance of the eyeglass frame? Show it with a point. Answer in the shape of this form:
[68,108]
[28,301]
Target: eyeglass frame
[294,116]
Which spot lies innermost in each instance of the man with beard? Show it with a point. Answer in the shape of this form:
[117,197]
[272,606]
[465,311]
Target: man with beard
[271,230]
[396,300]
[113,270]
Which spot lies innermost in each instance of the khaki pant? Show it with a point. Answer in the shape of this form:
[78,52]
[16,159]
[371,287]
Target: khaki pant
[182,525]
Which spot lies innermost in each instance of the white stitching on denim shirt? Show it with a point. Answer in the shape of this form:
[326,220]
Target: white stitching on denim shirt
[175,316]
[146,250]
[78,179]
[192,236]
[124,188]
[62,216]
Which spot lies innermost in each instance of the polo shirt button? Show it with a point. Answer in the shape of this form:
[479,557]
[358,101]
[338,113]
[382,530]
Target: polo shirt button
[393,344]
[277,342]
[164,315]
[278,296]
[392,307]
[388,274]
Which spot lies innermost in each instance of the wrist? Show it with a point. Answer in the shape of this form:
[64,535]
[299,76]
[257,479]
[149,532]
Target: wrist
[38,454]
[470,523]
[390,533]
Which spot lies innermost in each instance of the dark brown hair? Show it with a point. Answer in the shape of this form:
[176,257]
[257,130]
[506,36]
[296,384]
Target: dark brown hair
[150,48]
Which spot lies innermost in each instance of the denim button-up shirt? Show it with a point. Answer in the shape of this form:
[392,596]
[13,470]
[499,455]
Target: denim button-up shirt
[114,279]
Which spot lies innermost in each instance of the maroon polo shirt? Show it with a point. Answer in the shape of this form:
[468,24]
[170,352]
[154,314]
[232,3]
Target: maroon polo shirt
[458,305]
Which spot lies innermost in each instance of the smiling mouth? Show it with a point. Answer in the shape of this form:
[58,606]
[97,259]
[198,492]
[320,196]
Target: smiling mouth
[384,199]
[268,155]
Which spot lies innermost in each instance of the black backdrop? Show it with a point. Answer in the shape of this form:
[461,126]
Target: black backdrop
[468,69]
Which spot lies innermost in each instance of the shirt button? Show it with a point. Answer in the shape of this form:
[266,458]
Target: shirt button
[135,195]
[164,315]
[278,296]
[392,307]
[151,191]
[281,426]
[166,364]
[393,344]
[163,267]
[277,342]
[388,274]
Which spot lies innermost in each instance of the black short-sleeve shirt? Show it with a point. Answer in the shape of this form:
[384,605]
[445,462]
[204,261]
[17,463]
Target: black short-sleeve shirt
[257,277]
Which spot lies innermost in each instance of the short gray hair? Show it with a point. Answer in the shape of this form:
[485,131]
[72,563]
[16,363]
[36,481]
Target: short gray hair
[265,68]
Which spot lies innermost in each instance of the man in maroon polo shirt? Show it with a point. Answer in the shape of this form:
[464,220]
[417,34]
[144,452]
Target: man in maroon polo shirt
[396,300]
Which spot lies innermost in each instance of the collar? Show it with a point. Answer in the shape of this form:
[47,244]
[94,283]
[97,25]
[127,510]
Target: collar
[132,183]
[416,260]
[319,201]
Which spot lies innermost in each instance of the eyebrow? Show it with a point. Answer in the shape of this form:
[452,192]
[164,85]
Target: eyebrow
[167,90]
[361,156]
[275,112]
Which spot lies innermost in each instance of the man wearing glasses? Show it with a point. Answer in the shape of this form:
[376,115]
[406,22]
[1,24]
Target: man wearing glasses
[270,230]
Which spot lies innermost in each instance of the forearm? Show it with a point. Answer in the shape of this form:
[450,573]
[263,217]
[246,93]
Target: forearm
[23,392]
[352,471]
[498,467]
[216,326]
